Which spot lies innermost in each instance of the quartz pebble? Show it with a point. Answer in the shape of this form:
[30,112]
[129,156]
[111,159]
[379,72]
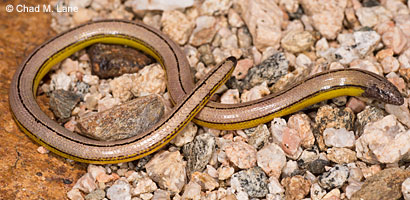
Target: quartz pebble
[384,141]
[241,154]
[167,169]
[119,191]
[267,32]
[271,159]
[338,137]
[301,123]
[297,41]
[326,16]
[341,155]
[177,25]
[405,189]
[186,135]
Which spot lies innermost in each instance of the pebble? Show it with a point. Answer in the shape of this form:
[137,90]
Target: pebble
[317,192]
[241,154]
[123,121]
[199,152]
[291,142]
[215,7]
[395,39]
[384,141]
[397,81]
[119,191]
[290,168]
[60,81]
[107,103]
[255,93]
[150,80]
[161,195]
[297,41]
[62,102]
[274,186]
[177,26]
[265,33]
[271,159]
[42,150]
[91,79]
[405,189]
[365,42]
[245,41]
[83,15]
[69,66]
[242,67]
[252,181]
[231,96]
[368,115]
[326,16]
[341,155]
[332,195]
[390,64]
[144,185]
[353,188]
[318,166]
[75,194]
[269,70]
[187,135]
[401,112]
[204,31]
[206,182]
[121,87]
[301,123]
[159,4]
[258,136]
[192,191]
[355,104]
[404,59]
[334,178]
[205,53]
[167,169]
[225,172]
[296,187]
[234,19]
[338,137]
[372,16]
[153,20]
[109,60]
[308,155]
[97,194]
[333,117]
[383,185]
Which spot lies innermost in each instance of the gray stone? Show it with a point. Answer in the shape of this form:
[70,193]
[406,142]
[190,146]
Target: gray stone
[270,70]
[199,152]
[123,121]
[252,181]
[334,178]
[62,102]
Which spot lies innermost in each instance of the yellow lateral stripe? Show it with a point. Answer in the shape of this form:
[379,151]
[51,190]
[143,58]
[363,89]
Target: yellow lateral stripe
[325,95]
[107,39]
